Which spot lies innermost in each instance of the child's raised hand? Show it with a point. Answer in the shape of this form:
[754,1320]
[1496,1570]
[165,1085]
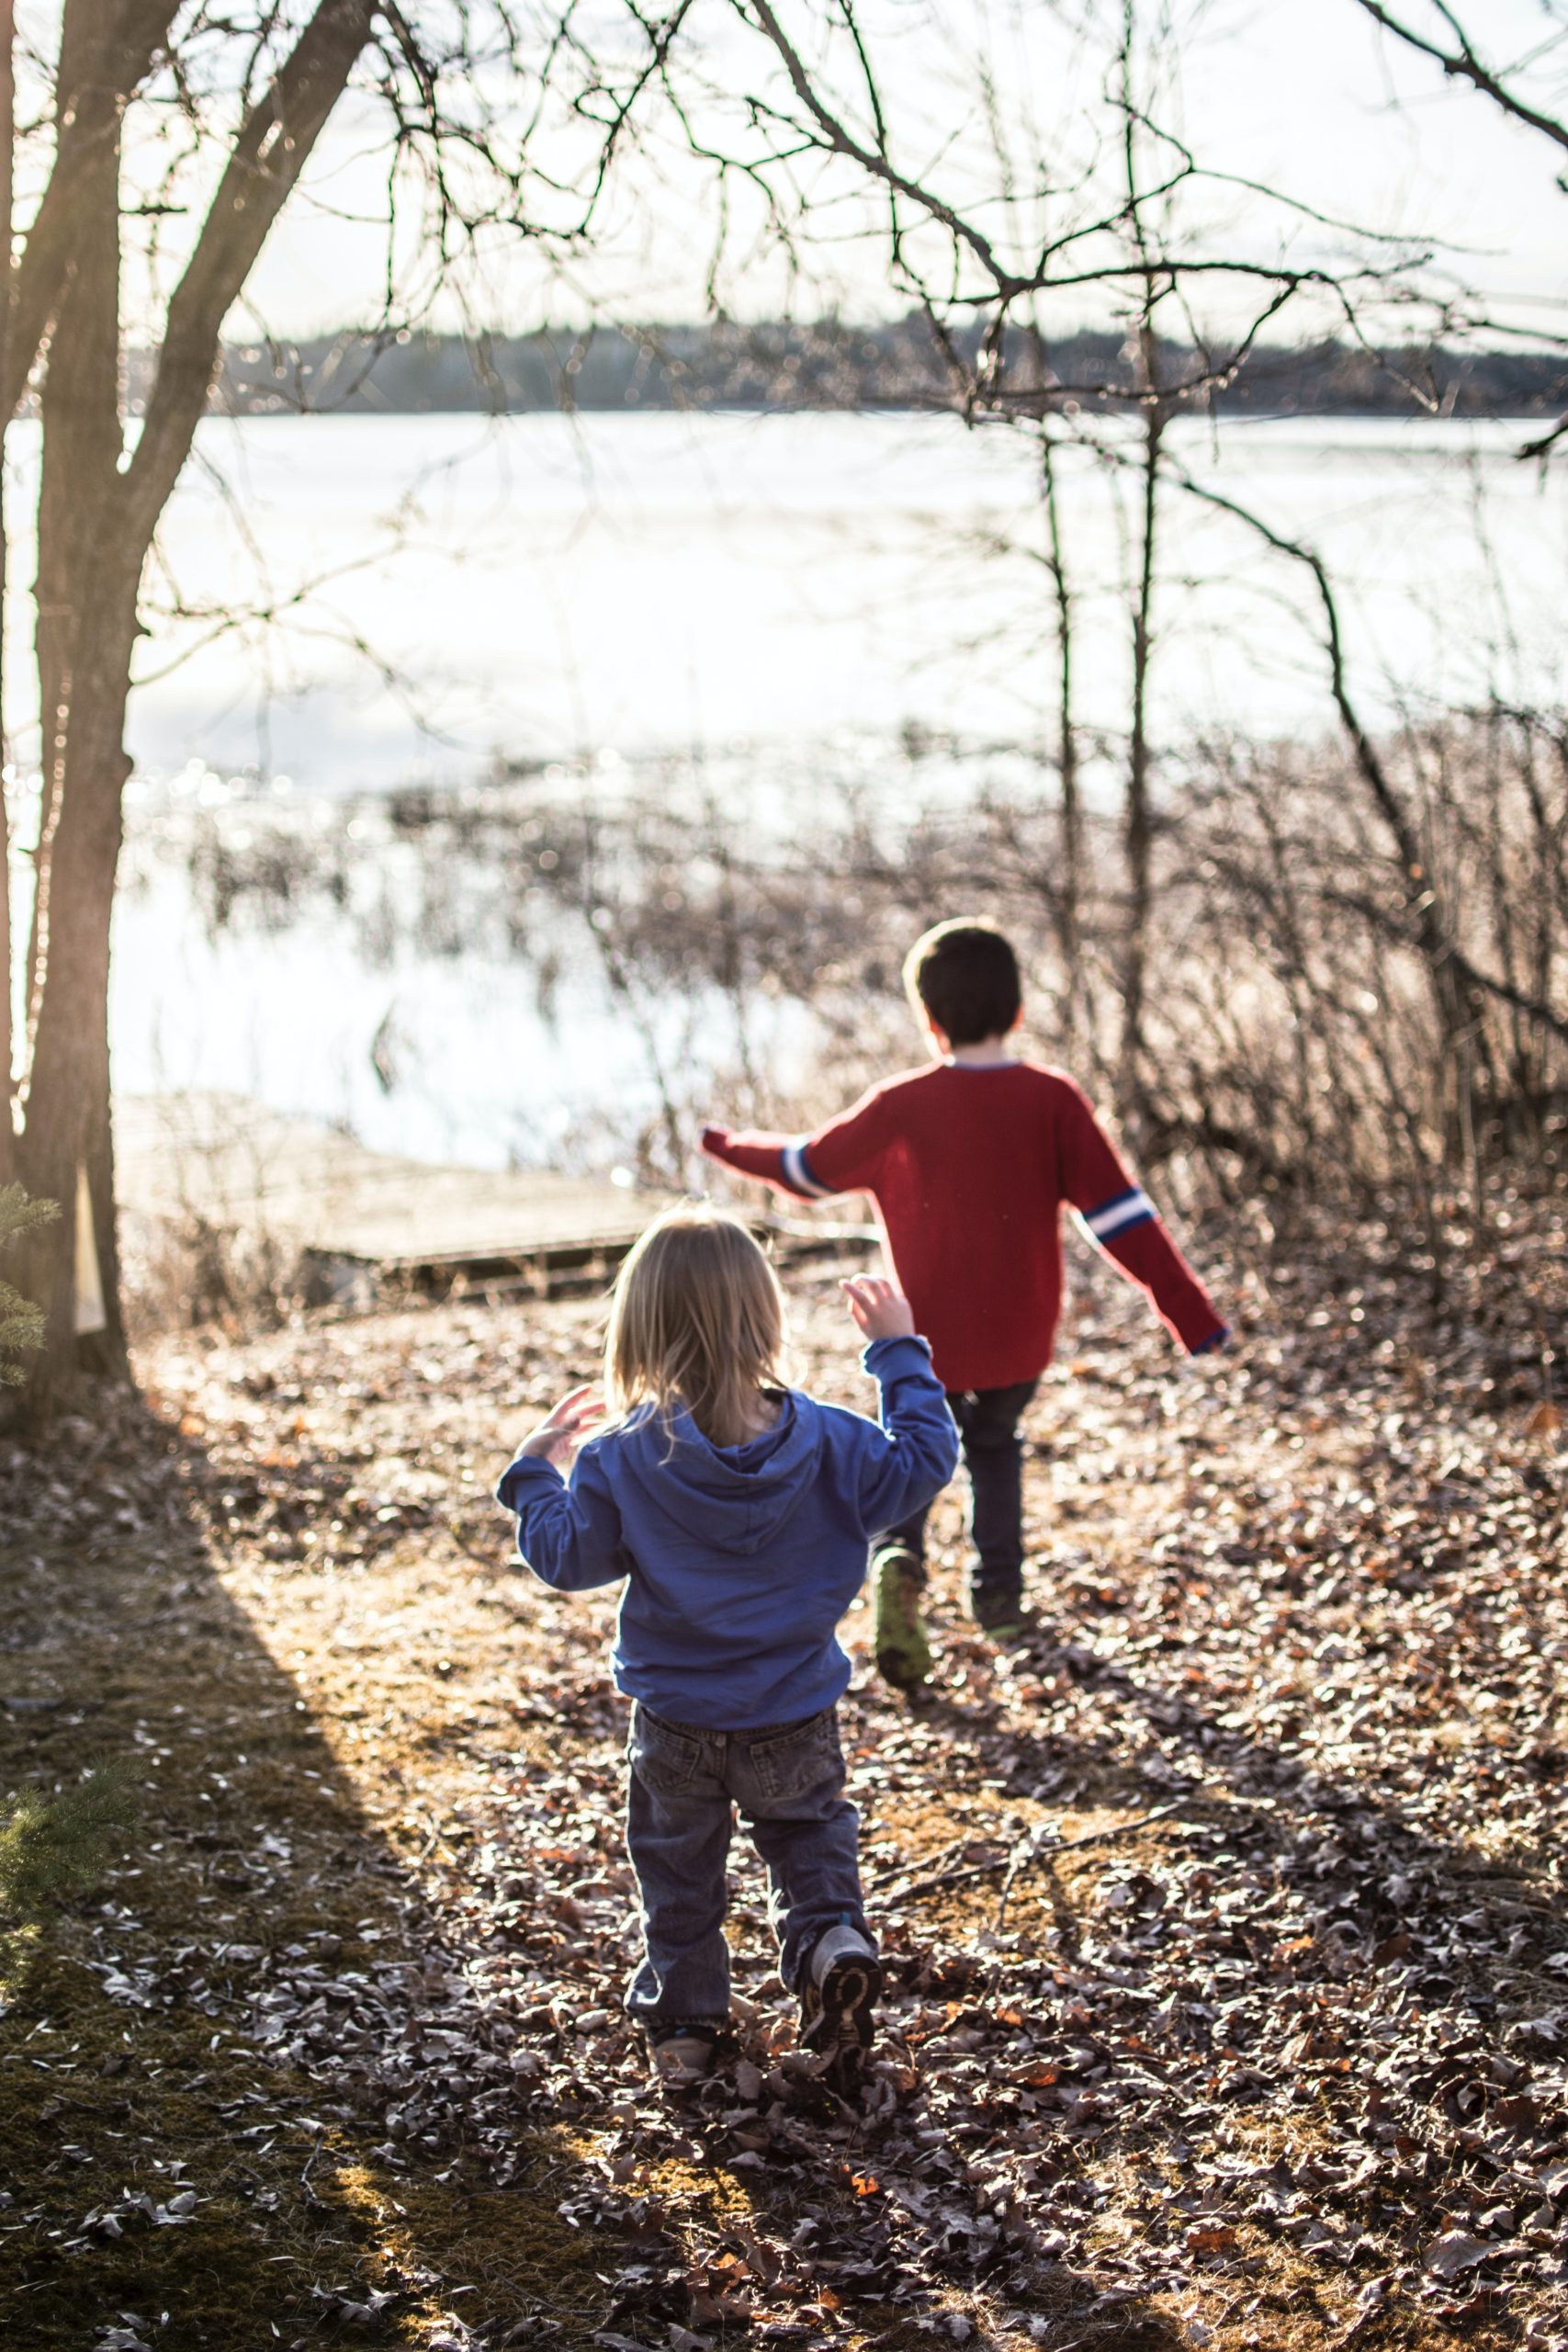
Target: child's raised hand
[563,1429]
[882,1312]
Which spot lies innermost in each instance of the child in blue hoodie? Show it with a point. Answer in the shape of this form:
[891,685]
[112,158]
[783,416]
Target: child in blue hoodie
[739,1512]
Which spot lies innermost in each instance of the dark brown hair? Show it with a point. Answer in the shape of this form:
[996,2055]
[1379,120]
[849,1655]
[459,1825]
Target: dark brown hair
[965,975]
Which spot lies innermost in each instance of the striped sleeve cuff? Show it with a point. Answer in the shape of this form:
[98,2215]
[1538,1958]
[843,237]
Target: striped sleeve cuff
[1114,1215]
[797,1171]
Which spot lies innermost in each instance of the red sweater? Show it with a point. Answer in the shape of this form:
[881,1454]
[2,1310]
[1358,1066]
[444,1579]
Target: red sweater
[969,1169]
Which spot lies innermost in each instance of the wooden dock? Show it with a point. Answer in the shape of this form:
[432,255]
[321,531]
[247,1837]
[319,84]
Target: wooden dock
[354,1221]
[355,1218]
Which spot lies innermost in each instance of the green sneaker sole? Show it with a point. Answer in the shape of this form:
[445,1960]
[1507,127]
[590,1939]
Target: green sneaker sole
[1006,1621]
[903,1652]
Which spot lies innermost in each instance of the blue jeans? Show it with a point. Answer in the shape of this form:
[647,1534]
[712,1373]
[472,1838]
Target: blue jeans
[788,1782]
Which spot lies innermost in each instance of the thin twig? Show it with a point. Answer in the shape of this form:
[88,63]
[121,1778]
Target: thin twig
[449,1528]
[1027,1852]
[1030,1851]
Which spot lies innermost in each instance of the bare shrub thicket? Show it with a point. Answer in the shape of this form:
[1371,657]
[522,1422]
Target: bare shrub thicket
[1303,1039]
[1307,1034]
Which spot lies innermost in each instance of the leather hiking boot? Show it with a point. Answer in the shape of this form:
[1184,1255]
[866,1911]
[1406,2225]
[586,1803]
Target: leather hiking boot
[682,2055]
[903,1652]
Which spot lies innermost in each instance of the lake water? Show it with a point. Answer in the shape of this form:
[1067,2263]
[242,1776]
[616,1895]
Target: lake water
[542,587]
[775,606]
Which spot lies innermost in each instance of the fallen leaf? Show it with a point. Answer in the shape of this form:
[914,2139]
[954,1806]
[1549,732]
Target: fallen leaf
[1454,2252]
[1209,2238]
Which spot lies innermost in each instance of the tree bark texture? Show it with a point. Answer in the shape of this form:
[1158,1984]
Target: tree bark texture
[1137,823]
[111,51]
[1137,829]
[86,619]
[7,170]
[1070,925]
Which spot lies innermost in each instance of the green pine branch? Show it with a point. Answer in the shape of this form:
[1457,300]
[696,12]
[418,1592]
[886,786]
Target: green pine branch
[54,1847]
[51,1848]
[21,1323]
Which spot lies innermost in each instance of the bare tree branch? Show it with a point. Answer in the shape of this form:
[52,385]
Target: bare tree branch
[1423,910]
[1461,63]
[268,156]
[87,119]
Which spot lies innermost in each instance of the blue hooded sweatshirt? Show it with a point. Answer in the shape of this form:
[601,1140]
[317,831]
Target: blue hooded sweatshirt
[740,1560]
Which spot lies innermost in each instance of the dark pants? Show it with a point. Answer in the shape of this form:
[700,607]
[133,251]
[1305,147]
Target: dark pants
[987,1422]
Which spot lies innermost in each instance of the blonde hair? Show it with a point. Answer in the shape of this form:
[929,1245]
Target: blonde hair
[696,1319]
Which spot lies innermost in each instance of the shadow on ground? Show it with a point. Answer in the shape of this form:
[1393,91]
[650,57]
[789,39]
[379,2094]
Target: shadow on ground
[194,2144]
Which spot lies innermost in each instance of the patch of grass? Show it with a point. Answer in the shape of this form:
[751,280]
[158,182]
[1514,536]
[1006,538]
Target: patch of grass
[50,1849]
[296,2214]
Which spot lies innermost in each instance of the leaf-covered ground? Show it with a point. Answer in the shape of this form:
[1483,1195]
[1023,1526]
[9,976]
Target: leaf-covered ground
[1226,1918]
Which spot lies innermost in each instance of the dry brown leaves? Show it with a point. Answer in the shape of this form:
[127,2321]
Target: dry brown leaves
[1228,1971]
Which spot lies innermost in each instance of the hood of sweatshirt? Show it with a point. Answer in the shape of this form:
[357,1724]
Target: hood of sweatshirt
[732,1499]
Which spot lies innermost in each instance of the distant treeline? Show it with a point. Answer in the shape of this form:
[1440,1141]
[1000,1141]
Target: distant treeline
[835,366]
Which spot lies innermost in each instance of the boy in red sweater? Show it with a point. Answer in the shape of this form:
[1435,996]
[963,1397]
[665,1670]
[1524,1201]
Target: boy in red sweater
[969,1161]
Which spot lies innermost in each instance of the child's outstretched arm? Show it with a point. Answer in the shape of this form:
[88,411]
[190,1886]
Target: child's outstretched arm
[842,1157]
[569,1535]
[1120,1218]
[906,1463]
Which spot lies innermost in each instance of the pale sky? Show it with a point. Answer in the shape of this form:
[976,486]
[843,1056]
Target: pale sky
[1307,96]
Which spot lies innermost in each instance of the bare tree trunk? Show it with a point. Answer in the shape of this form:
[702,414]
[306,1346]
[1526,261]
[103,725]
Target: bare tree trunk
[68,1107]
[1137,832]
[7,138]
[1066,899]
[95,525]
[79,470]
[1137,829]
[87,582]
[1070,899]
[110,66]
